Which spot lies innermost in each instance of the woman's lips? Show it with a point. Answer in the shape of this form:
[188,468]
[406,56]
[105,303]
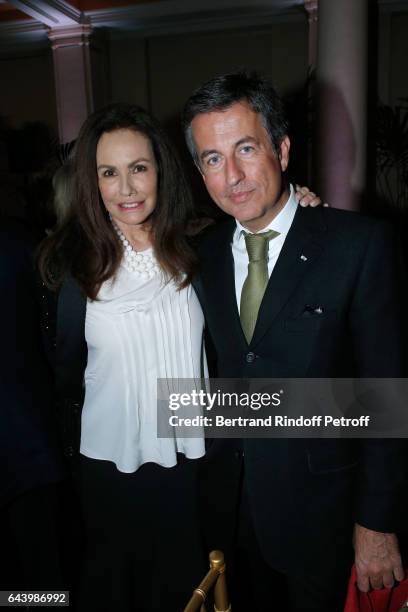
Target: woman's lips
[130,205]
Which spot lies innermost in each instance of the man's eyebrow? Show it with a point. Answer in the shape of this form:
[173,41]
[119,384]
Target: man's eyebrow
[240,142]
[208,152]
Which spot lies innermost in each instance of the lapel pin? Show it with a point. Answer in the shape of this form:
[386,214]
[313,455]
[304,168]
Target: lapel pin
[303,257]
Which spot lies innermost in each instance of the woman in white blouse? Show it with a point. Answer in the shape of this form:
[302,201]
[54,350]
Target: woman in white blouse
[127,315]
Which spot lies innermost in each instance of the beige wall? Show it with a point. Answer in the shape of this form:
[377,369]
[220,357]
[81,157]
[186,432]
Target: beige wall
[27,90]
[177,64]
[181,63]
[128,81]
[159,73]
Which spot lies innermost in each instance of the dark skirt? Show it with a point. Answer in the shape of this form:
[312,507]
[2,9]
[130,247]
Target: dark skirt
[143,545]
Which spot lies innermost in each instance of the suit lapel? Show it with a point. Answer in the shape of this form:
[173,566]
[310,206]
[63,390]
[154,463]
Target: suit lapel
[303,245]
[219,279]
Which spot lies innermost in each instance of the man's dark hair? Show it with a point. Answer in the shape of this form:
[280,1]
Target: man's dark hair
[223,91]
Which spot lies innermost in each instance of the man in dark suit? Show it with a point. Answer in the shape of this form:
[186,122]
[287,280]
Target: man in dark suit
[293,292]
[30,458]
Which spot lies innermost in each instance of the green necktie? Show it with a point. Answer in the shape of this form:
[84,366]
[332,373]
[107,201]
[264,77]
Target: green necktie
[256,280]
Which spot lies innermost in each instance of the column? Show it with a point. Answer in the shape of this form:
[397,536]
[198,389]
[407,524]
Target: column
[311,7]
[342,102]
[73,77]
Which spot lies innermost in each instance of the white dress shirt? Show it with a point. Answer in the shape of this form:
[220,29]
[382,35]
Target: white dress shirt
[138,331]
[281,223]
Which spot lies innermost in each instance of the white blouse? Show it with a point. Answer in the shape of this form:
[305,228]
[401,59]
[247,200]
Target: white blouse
[137,331]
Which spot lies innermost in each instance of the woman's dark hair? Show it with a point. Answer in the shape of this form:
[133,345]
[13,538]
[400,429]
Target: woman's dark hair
[221,92]
[86,246]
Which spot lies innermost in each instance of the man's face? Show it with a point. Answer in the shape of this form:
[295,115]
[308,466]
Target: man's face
[241,170]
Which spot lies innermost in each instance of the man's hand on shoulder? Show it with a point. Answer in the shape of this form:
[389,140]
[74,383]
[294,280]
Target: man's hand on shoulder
[305,197]
[377,559]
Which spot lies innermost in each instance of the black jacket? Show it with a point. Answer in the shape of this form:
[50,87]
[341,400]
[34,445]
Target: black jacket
[305,494]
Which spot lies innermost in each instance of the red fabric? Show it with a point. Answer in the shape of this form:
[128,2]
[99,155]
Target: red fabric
[384,600]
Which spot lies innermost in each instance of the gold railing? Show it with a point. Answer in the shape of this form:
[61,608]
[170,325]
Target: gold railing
[215,578]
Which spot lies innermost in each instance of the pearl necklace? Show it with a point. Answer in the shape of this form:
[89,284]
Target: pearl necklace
[142,263]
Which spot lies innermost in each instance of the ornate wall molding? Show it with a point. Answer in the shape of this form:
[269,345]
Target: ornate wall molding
[159,18]
[51,13]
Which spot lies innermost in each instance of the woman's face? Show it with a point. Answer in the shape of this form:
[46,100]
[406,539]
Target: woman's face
[127,176]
